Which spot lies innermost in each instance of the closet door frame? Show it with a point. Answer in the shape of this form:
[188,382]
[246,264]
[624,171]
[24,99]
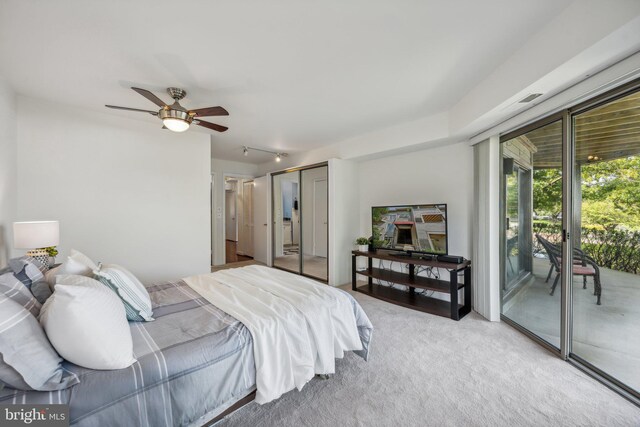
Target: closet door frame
[301,245]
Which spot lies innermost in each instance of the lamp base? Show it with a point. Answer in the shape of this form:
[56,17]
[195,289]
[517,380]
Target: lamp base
[41,255]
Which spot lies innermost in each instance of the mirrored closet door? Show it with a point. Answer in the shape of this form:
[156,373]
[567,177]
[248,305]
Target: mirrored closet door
[286,221]
[315,224]
[300,207]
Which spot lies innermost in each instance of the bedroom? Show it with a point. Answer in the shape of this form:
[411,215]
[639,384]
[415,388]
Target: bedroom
[404,103]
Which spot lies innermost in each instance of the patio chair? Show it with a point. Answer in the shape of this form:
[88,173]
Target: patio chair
[583,265]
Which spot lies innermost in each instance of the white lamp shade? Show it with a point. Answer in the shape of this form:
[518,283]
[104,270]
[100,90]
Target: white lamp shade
[35,234]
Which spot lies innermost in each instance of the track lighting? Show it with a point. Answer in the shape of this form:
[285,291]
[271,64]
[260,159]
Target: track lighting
[279,156]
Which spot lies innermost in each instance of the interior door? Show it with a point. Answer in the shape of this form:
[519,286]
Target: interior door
[260,206]
[320,218]
[247,218]
[230,215]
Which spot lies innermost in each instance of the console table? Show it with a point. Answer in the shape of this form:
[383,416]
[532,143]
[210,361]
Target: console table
[410,299]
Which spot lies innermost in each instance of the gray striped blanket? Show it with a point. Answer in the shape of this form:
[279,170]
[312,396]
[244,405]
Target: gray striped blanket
[194,361]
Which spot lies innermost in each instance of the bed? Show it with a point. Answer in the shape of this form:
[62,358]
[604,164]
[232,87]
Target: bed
[195,363]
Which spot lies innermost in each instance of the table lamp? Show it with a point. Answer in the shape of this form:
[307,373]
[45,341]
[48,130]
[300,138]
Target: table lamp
[36,236]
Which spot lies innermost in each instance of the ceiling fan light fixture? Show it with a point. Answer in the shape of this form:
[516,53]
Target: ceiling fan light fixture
[175,117]
[245,151]
[176,125]
[175,120]
[278,158]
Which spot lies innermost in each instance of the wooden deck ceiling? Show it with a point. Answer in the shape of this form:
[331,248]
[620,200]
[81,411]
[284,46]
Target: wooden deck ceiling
[608,132]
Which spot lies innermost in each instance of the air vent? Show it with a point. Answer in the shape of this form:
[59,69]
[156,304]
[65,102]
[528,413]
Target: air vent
[529,98]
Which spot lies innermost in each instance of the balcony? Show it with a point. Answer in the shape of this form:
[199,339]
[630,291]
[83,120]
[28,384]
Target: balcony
[606,335]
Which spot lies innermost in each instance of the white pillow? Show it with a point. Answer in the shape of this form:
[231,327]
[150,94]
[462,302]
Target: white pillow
[86,323]
[77,263]
[134,295]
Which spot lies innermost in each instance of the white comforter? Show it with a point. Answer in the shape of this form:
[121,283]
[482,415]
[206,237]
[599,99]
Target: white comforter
[298,325]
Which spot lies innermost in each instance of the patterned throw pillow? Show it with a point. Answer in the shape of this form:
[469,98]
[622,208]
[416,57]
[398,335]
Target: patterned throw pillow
[28,361]
[31,273]
[15,290]
[28,270]
[133,294]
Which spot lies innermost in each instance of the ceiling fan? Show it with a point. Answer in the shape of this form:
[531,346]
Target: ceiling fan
[175,117]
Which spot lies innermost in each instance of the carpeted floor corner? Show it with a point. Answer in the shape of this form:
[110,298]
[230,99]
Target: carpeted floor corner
[426,370]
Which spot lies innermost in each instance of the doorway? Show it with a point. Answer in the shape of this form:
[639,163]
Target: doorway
[238,219]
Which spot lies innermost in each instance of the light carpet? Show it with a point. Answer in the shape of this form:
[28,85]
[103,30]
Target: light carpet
[425,370]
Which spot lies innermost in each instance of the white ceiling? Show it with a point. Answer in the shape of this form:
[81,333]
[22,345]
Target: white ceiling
[294,75]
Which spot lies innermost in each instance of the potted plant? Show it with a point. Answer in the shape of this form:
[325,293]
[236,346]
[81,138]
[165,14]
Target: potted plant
[363,244]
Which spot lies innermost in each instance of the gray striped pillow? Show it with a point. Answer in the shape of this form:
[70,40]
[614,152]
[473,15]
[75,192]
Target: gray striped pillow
[133,294]
[28,361]
[15,290]
[29,270]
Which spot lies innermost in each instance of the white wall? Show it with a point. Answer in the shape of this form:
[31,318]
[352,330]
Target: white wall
[438,175]
[124,192]
[344,185]
[219,169]
[8,169]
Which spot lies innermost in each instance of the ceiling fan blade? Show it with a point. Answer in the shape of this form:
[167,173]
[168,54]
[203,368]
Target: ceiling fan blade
[210,111]
[212,126]
[150,96]
[154,113]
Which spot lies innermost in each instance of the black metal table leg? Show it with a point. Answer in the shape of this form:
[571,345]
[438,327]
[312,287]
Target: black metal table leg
[353,272]
[467,290]
[453,291]
[412,277]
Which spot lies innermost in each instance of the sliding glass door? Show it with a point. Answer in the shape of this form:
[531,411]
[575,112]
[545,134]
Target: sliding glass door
[532,219]
[606,207]
[570,239]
